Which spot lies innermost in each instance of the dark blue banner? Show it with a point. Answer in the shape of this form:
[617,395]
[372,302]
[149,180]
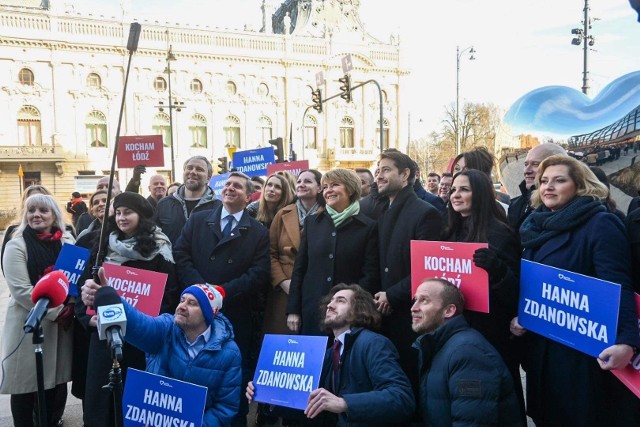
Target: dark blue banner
[72,260]
[153,400]
[288,369]
[254,162]
[570,308]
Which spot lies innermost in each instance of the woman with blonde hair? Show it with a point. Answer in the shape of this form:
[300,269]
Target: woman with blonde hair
[30,254]
[572,230]
[276,194]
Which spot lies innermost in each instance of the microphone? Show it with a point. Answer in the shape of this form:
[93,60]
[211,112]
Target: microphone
[112,320]
[50,292]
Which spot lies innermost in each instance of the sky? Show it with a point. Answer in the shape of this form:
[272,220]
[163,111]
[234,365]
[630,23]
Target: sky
[521,45]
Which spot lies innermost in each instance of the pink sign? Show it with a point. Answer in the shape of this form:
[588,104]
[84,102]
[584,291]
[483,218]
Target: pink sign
[630,376]
[294,167]
[453,262]
[143,289]
[140,150]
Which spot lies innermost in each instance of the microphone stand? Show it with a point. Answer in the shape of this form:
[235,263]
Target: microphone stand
[115,375]
[38,340]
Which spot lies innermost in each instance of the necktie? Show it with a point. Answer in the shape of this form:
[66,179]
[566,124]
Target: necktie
[227,228]
[335,358]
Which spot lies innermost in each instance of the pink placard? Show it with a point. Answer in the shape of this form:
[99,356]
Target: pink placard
[141,288]
[140,150]
[454,262]
[630,376]
[294,167]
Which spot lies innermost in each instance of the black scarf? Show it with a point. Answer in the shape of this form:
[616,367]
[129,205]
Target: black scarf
[543,224]
[41,252]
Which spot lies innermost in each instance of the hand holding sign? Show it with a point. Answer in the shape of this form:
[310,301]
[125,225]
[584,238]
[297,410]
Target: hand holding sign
[488,260]
[615,357]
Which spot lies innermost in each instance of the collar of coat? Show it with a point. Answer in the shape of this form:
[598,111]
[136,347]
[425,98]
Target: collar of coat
[429,344]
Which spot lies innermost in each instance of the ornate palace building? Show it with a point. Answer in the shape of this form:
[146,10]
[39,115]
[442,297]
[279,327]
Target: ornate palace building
[62,75]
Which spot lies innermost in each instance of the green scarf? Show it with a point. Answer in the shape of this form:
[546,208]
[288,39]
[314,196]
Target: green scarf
[340,217]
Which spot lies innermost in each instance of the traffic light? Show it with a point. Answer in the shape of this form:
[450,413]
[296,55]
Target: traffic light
[345,87]
[316,98]
[278,149]
[223,166]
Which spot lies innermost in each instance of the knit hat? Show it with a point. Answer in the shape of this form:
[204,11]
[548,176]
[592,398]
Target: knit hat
[75,195]
[208,296]
[135,202]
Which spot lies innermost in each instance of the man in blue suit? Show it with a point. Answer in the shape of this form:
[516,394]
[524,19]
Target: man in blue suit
[228,248]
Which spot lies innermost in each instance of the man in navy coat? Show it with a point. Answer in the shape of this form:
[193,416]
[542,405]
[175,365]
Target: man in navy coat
[226,247]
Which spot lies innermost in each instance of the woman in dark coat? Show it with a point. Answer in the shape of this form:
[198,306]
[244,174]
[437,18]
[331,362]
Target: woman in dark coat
[474,216]
[338,245]
[133,241]
[571,229]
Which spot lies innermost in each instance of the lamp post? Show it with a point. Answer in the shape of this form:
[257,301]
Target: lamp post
[583,38]
[459,54]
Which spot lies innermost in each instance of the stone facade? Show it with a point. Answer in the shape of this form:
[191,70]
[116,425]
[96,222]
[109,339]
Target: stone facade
[62,76]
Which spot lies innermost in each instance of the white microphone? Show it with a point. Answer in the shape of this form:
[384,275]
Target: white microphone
[112,320]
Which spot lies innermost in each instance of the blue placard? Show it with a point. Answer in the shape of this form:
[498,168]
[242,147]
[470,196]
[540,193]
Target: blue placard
[288,369]
[570,308]
[154,400]
[72,260]
[254,162]
[217,183]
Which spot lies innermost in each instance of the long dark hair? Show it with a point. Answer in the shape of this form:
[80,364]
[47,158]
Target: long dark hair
[484,209]
[144,235]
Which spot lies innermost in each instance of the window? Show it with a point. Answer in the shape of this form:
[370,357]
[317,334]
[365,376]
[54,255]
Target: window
[198,130]
[26,77]
[196,86]
[162,127]
[263,90]
[231,88]
[346,133]
[384,96]
[264,129]
[31,178]
[29,131]
[385,135]
[311,132]
[94,81]
[96,130]
[160,84]
[232,132]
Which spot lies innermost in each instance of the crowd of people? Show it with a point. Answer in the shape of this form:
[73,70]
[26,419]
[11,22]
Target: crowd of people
[329,255]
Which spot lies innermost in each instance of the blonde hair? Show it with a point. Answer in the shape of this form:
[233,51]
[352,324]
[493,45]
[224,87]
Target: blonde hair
[587,184]
[292,179]
[265,214]
[40,201]
[346,177]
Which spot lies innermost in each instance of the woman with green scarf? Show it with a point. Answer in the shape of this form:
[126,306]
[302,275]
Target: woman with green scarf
[338,245]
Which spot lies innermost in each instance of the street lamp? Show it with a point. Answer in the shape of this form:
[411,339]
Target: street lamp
[583,38]
[459,54]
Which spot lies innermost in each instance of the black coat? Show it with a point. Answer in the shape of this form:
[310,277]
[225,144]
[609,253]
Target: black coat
[520,207]
[408,218]
[327,257]
[633,231]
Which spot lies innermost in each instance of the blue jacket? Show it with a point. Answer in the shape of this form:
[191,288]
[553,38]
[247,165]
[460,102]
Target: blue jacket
[216,367]
[463,379]
[371,381]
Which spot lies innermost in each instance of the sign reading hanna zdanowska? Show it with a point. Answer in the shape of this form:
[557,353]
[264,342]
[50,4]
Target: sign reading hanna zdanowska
[143,289]
[451,261]
[154,400]
[575,310]
[288,369]
[630,375]
[140,150]
[254,162]
[217,184]
[72,260]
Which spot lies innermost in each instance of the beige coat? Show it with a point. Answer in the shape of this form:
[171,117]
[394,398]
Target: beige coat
[20,368]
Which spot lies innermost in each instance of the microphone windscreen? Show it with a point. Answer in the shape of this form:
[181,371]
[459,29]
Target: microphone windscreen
[106,295]
[54,286]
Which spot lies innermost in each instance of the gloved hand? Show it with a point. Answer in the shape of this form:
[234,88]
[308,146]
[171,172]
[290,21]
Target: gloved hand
[488,260]
[138,171]
[65,317]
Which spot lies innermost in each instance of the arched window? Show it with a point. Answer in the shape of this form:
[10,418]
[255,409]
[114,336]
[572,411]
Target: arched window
[94,81]
[160,84]
[25,76]
[264,129]
[162,126]
[311,132]
[29,131]
[196,86]
[232,131]
[263,90]
[232,89]
[96,129]
[347,139]
[198,129]
[385,135]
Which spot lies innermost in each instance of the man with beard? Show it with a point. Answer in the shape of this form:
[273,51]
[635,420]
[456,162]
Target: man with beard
[361,383]
[463,379]
[406,218]
[193,196]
